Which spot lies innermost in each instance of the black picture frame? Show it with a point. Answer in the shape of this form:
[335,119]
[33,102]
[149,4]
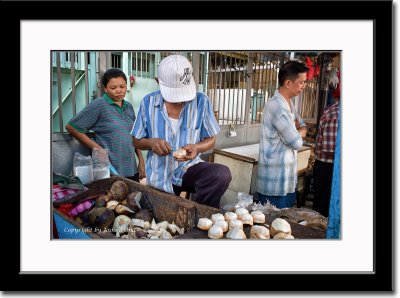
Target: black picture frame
[381,280]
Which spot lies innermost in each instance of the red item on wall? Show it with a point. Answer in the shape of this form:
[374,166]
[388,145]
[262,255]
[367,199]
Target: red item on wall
[310,72]
[132,79]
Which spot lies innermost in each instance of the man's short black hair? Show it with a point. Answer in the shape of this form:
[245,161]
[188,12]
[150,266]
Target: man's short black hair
[112,73]
[290,71]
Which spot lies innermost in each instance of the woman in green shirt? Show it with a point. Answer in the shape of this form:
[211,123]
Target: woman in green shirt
[111,118]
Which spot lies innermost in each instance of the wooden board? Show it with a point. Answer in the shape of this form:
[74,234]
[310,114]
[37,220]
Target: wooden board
[249,154]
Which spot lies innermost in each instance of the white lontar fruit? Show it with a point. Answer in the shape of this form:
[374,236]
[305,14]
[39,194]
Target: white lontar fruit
[121,224]
[259,230]
[173,228]
[153,225]
[166,235]
[230,216]
[279,225]
[217,216]
[241,211]
[112,204]
[259,236]
[247,219]
[163,224]
[146,225]
[236,234]
[215,232]
[258,217]
[138,222]
[256,212]
[283,236]
[180,153]
[235,224]
[223,224]
[204,224]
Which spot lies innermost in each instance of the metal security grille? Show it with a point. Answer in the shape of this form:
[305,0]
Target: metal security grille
[69,86]
[143,64]
[239,84]
[264,81]
[309,99]
[116,60]
[227,86]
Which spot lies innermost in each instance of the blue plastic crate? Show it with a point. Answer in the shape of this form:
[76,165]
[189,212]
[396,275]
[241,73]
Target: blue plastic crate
[67,230]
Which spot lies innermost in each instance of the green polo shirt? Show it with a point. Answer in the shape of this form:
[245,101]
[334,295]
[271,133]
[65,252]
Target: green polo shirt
[112,126]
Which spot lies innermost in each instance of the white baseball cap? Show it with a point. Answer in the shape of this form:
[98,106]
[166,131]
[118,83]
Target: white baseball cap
[175,77]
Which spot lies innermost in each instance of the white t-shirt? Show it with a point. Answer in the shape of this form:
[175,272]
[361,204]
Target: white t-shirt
[174,123]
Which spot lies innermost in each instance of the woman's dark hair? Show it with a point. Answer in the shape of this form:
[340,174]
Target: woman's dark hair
[290,71]
[111,74]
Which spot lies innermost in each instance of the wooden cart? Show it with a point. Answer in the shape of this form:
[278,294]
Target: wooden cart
[165,207]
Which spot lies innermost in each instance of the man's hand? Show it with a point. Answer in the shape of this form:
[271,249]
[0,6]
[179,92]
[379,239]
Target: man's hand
[160,146]
[100,154]
[297,123]
[302,131]
[191,153]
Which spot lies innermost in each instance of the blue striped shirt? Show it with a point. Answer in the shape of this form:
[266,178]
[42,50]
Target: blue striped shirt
[112,125]
[196,122]
[279,142]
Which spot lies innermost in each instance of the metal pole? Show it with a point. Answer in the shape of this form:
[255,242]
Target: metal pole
[205,66]
[196,67]
[86,78]
[249,75]
[104,58]
[323,85]
[228,83]
[98,75]
[223,87]
[73,92]
[59,91]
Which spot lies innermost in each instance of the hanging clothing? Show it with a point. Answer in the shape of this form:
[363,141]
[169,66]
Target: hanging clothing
[333,78]
[310,72]
[336,93]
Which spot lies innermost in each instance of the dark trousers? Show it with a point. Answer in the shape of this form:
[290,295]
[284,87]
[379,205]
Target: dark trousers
[134,178]
[286,201]
[207,181]
[322,186]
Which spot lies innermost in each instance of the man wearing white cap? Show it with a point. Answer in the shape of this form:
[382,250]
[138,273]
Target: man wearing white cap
[177,117]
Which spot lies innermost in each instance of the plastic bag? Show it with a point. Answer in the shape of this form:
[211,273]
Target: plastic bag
[244,200]
[83,167]
[100,158]
[101,162]
[266,208]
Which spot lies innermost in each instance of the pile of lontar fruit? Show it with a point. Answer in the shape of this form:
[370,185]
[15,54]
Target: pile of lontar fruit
[233,222]
[121,213]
